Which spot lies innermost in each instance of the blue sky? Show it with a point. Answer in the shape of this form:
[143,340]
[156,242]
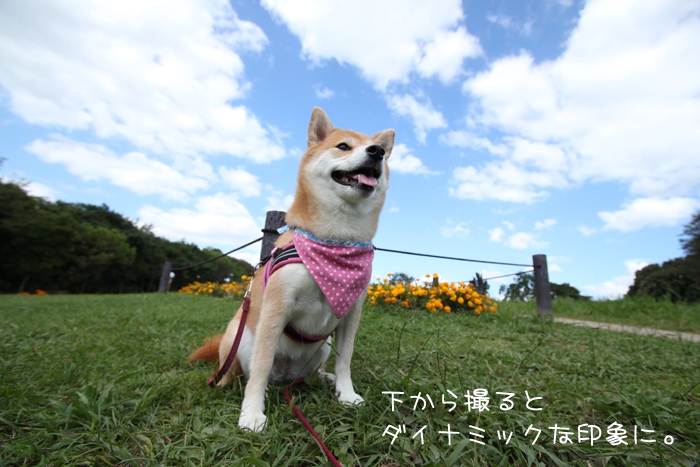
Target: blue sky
[558,127]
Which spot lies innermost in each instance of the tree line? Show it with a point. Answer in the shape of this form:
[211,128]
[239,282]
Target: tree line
[84,248]
[677,279]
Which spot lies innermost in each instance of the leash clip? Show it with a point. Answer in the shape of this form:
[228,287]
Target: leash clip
[252,276]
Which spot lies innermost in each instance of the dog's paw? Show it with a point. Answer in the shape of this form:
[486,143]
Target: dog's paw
[227,378]
[252,422]
[350,398]
[330,377]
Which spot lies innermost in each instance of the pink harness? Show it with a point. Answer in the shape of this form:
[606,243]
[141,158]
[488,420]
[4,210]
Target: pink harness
[342,271]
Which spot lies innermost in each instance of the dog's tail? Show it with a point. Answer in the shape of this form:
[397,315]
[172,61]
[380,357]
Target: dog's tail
[209,351]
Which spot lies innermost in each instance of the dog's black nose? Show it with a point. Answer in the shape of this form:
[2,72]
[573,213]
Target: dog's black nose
[375,151]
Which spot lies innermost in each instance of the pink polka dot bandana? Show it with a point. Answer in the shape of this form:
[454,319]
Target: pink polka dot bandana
[342,272]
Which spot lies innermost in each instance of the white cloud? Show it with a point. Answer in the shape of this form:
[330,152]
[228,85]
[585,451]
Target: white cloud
[619,104]
[468,139]
[487,273]
[322,92]
[402,161]
[645,212]
[219,219]
[161,74]
[617,287]
[444,53]
[509,24]
[240,180]
[424,116]
[459,230]
[545,224]
[587,231]
[134,171]
[553,263]
[40,190]
[277,200]
[520,240]
[496,235]
[368,34]
[522,173]
[525,240]
[503,182]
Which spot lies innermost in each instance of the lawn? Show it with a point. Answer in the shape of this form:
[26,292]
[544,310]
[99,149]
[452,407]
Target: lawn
[643,312]
[101,380]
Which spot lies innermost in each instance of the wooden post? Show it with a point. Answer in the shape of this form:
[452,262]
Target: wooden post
[543,294]
[273,221]
[165,277]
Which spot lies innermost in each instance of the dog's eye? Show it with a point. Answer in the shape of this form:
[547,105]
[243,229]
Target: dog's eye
[343,147]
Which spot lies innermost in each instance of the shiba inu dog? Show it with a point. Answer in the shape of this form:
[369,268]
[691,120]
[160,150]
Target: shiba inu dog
[326,255]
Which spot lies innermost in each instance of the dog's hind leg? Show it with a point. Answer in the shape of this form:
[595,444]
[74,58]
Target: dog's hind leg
[322,374]
[233,372]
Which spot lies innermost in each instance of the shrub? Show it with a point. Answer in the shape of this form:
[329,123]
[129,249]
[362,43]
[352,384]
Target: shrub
[678,280]
[215,289]
[433,296]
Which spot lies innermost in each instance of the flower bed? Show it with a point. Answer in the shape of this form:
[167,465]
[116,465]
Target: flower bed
[434,295]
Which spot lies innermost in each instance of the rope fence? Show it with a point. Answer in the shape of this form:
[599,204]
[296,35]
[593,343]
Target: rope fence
[217,257]
[451,258]
[508,275]
[275,219]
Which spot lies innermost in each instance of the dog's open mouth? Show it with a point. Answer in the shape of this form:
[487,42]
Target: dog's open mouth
[365,177]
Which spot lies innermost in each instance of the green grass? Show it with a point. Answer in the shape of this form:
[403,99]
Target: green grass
[101,380]
[643,312]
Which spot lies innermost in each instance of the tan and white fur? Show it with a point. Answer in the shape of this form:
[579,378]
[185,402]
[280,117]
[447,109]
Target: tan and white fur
[331,202]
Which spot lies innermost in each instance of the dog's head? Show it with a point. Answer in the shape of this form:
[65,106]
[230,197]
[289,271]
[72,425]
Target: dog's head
[342,170]
[354,166]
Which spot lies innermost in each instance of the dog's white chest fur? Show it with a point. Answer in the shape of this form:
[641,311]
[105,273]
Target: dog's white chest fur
[310,313]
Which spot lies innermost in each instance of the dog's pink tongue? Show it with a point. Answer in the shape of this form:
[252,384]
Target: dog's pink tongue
[365,180]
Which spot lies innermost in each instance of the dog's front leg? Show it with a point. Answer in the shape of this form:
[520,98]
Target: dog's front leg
[345,344]
[267,333]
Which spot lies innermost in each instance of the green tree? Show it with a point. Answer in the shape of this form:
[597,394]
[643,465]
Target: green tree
[690,240]
[150,250]
[677,279]
[522,288]
[401,277]
[81,247]
[480,285]
[566,291]
[35,242]
[95,251]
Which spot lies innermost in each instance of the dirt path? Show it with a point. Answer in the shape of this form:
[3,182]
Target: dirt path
[637,330]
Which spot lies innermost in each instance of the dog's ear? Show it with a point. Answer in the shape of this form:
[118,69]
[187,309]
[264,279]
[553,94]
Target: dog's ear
[386,140]
[320,126]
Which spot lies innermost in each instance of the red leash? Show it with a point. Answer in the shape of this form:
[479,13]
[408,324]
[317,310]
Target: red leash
[217,375]
[305,422]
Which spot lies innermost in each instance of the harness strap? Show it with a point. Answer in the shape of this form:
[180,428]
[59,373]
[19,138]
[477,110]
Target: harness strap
[300,338]
[217,375]
[279,257]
